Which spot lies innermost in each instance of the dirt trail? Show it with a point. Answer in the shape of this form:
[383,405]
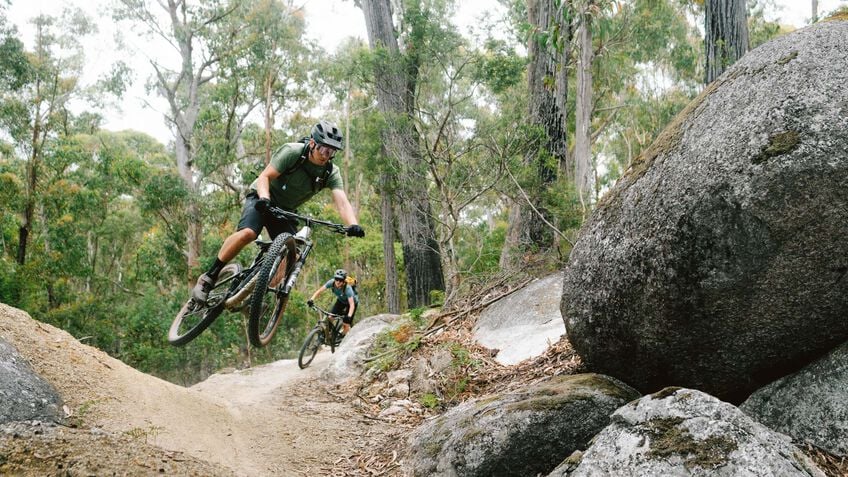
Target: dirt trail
[269,420]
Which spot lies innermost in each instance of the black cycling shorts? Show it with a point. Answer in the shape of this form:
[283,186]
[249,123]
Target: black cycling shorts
[340,308]
[254,220]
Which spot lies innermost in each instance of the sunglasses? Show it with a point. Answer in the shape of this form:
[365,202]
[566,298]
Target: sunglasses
[327,151]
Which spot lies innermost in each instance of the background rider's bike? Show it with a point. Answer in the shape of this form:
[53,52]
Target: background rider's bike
[328,330]
[263,287]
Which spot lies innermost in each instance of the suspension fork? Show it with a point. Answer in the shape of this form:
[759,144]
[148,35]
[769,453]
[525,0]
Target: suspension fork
[298,266]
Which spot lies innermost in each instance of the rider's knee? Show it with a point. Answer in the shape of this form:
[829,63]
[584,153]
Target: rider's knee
[246,235]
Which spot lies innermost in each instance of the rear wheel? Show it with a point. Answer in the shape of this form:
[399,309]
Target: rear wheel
[310,347]
[268,303]
[195,317]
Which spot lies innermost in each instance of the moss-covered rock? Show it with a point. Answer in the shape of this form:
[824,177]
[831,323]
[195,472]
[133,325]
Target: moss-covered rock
[687,432]
[520,433]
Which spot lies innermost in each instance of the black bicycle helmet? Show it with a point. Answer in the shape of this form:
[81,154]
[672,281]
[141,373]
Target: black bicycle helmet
[328,134]
[340,274]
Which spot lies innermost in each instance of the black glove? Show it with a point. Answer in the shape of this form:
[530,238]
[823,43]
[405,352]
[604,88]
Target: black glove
[310,303]
[262,205]
[355,231]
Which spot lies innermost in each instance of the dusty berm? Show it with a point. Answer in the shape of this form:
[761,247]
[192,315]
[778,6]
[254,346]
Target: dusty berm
[269,420]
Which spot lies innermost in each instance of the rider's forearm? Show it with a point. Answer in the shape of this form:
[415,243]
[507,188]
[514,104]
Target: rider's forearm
[344,208]
[348,215]
[263,187]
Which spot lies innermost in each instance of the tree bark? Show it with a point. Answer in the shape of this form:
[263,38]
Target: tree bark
[583,119]
[390,263]
[815,13]
[726,37]
[395,81]
[527,232]
[184,101]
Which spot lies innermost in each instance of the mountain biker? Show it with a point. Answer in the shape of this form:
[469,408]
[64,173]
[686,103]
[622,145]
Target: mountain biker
[296,173]
[347,301]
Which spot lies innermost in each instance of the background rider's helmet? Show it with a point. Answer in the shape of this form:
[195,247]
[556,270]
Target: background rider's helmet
[328,134]
[340,274]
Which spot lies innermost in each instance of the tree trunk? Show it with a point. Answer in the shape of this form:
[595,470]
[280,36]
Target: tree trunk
[584,106]
[194,231]
[815,17]
[566,169]
[526,231]
[726,37]
[37,145]
[390,263]
[395,81]
[269,114]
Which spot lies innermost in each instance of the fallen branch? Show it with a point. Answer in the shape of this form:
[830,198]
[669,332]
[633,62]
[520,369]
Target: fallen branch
[477,307]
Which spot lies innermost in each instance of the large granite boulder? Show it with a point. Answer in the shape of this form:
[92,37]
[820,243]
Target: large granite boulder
[524,324]
[24,395]
[520,433]
[684,432]
[348,362]
[719,260]
[810,405]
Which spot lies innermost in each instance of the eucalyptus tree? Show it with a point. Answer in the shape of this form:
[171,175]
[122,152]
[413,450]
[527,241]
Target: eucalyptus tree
[268,78]
[367,167]
[646,67]
[37,99]
[549,35]
[463,171]
[14,75]
[726,35]
[583,177]
[201,39]
[396,76]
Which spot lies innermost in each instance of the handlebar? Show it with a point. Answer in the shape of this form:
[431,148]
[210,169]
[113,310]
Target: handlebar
[325,312]
[285,214]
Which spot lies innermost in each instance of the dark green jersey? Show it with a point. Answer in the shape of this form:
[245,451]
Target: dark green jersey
[290,190]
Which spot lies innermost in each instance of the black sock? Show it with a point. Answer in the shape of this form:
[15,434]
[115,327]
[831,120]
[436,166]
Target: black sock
[215,269]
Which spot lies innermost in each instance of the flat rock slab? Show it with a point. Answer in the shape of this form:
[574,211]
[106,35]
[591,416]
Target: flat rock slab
[524,324]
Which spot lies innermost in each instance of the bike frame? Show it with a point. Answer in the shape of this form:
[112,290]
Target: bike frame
[303,240]
[333,321]
[261,273]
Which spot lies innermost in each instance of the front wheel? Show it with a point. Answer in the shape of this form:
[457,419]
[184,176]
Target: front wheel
[268,301]
[310,347]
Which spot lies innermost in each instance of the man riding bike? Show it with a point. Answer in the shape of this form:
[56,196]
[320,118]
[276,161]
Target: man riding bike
[296,173]
[347,301]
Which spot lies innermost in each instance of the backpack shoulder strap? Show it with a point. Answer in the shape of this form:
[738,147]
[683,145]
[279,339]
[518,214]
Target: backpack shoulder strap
[328,169]
[299,162]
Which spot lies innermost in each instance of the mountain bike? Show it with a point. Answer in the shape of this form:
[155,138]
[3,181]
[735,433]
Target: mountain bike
[262,289]
[328,330]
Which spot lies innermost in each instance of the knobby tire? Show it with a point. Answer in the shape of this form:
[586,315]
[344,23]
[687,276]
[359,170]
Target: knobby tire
[310,347]
[267,303]
[184,329]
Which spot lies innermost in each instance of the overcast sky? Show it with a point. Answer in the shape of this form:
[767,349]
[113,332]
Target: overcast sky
[329,21]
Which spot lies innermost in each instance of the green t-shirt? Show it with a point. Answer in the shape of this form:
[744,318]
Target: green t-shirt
[289,191]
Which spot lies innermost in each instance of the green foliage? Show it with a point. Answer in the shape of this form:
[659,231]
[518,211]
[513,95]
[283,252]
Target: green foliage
[393,344]
[500,67]
[429,400]
[417,316]
[437,297]
[760,30]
